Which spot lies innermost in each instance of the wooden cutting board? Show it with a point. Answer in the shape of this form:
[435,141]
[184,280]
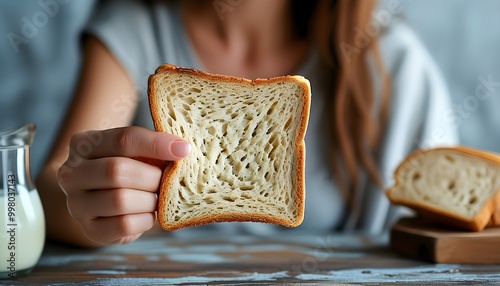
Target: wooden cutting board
[421,239]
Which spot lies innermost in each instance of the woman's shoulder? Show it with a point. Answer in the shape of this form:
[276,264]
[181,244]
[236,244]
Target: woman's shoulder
[420,96]
[134,15]
[113,10]
[404,54]
[130,30]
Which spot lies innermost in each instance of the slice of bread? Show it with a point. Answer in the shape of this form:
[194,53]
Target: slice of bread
[247,147]
[458,186]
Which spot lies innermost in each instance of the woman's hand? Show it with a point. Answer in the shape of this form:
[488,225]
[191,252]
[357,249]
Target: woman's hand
[111,179]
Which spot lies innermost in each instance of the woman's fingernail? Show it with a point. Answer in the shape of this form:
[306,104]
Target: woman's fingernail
[180,148]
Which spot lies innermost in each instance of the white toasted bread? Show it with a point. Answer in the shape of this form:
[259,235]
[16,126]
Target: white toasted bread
[458,186]
[247,147]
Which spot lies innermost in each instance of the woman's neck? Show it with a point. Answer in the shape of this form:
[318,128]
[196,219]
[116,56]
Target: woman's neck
[245,38]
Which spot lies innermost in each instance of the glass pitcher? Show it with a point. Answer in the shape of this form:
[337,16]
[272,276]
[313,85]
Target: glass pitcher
[22,222]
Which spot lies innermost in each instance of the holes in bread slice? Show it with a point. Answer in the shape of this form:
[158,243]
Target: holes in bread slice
[451,185]
[416,176]
[449,158]
[448,180]
[473,200]
[243,152]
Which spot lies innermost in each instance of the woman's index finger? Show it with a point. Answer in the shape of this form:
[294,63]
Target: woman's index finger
[129,142]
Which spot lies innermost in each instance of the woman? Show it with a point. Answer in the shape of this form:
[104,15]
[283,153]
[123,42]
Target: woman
[362,124]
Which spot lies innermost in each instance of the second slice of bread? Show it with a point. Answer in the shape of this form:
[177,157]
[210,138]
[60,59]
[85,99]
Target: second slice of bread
[247,142]
[457,186]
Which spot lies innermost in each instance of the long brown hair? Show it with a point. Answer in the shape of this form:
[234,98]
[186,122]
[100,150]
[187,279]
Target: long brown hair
[356,127]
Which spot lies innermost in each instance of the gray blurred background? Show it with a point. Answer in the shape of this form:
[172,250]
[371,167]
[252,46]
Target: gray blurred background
[39,65]
[463,36]
[40,60]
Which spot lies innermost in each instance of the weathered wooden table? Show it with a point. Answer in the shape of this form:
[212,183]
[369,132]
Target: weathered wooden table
[209,258]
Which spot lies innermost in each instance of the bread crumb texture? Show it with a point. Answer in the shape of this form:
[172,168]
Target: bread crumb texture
[247,152]
[448,180]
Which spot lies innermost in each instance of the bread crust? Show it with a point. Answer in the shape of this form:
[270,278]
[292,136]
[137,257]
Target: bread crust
[489,214]
[172,167]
